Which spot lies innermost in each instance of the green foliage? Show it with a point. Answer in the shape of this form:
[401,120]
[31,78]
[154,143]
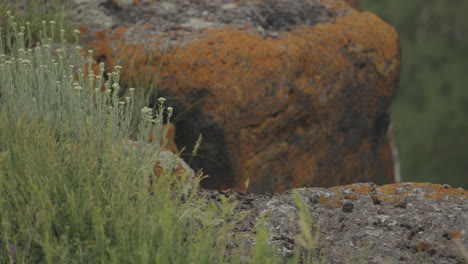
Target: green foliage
[72,190]
[262,251]
[32,13]
[429,114]
[307,239]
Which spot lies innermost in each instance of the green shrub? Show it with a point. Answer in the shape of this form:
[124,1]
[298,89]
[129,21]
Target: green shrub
[71,189]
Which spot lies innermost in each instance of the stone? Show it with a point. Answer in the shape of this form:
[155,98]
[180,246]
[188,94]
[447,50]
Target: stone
[395,223]
[168,161]
[285,93]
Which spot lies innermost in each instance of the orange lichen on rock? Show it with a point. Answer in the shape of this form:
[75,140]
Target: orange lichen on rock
[390,194]
[455,235]
[423,246]
[333,201]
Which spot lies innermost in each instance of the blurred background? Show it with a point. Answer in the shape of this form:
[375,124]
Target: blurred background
[430,112]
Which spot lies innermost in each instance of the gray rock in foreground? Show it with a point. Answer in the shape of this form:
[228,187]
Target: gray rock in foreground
[365,223]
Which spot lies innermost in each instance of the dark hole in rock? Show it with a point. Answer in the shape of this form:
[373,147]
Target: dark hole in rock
[348,207]
[211,157]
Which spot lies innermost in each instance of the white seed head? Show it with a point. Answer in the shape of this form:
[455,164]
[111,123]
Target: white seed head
[78,47]
[26,62]
[115,85]
[62,31]
[118,67]
[127,99]
[52,22]
[161,100]
[131,90]
[121,103]
[146,110]
[76,31]
[78,88]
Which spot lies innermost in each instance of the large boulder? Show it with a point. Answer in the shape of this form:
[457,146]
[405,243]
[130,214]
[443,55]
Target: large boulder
[286,93]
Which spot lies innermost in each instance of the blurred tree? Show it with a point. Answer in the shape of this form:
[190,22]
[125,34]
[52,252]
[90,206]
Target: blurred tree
[431,108]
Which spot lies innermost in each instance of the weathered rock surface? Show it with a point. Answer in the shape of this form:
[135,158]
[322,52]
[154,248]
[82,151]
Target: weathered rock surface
[286,93]
[365,223]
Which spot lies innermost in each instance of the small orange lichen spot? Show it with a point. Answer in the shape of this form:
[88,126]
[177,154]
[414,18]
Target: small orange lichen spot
[360,189]
[455,235]
[423,246]
[390,189]
[323,199]
[83,29]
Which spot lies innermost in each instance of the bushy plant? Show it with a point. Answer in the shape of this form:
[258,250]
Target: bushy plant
[71,189]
